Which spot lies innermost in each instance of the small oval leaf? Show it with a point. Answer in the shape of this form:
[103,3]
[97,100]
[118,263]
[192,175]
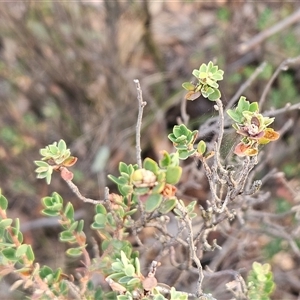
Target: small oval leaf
[153,202]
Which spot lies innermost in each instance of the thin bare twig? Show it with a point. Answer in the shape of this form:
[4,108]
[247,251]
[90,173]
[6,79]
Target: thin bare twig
[184,116]
[259,38]
[246,84]
[286,108]
[139,122]
[282,67]
[192,247]
[75,190]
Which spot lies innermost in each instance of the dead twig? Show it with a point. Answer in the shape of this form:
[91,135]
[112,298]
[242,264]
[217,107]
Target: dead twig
[259,38]
[284,66]
[246,84]
[139,122]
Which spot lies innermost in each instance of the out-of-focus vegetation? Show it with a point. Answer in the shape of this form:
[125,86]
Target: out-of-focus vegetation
[67,70]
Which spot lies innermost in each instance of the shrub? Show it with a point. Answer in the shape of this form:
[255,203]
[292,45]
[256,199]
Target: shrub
[148,197]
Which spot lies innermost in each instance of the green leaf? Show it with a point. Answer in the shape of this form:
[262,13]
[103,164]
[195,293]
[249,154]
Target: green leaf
[158,188]
[17,224]
[45,271]
[100,219]
[10,254]
[173,174]
[137,265]
[117,266]
[42,164]
[181,139]
[74,252]
[47,201]
[69,211]
[215,95]
[190,208]
[188,86]
[57,198]
[67,236]
[203,68]
[253,107]
[235,116]
[172,137]
[243,104]
[111,220]
[167,205]
[63,288]
[131,212]
[196,73]
[165,160]
[56,207]
[50,212]
[192,215]
[123,297]
[150,165]
[118,181]
[153,202]
[5,223]
[30,253]
[100,209]
[124,279]
[212,83]
[134,281]
[123,168]
[56,274]
[19,236]
[124,259]
[116,275]
[62,146]
[73,226]
[3,202]
[201,147]
[183,154]
[129,270]
[21,250]
[53,149]
[125,189]
[80,226]
[97,226]
[178,212]
[177,131]
[48,176]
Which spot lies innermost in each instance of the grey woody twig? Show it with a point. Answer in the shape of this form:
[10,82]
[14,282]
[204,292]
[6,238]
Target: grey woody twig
[246,84]
[139,122]
[282,67]
[192,247]
[76,191]
[259,38]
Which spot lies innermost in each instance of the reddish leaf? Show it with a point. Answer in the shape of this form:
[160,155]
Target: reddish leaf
[66,174]
[70,161]
[244,150]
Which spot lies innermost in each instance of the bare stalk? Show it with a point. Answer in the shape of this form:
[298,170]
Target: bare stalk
[259,38]
[282,67]
[139,122]
[192,247]
[76,191]
[246,84]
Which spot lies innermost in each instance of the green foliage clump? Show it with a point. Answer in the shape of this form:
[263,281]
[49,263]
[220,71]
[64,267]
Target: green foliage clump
[147,197]
[260,282]
[207,86]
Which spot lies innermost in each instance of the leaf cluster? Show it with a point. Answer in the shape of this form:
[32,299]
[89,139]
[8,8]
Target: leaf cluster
[54,156]
[260,282]
[207,86]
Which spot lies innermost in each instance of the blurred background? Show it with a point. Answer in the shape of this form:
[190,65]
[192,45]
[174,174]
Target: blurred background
[67,70]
